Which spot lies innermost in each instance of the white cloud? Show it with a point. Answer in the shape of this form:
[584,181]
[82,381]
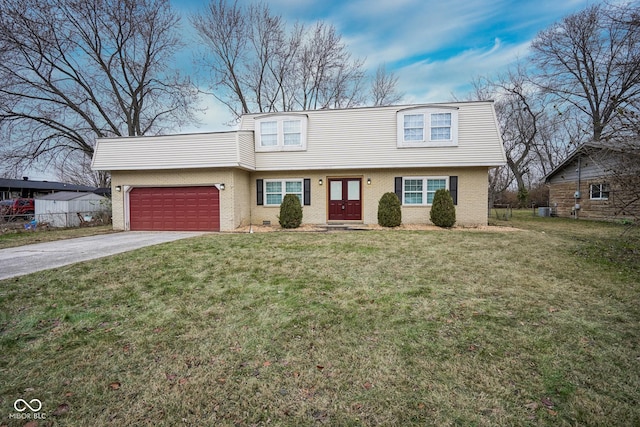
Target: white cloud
[411,28]
[434,81]
[435,48]
[215,117]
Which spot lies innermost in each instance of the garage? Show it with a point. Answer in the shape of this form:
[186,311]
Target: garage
[174,209]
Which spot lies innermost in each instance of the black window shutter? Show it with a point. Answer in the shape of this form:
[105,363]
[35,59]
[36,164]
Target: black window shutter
[307,192]
[453,188]
[259,192]
[398,188]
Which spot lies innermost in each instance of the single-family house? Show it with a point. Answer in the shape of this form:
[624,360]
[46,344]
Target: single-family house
[28,188]
[338,162]
[590,183]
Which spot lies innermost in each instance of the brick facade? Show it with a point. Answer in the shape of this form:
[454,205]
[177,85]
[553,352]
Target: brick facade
[176,178]
[593,164]
[563,201]
[561,196]
[238,206]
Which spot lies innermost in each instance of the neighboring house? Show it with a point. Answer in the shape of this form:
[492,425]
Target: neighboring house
[26,188]
[586,185]
[68,209]
[338,162]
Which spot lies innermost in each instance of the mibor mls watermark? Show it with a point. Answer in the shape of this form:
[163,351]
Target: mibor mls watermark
[27,410]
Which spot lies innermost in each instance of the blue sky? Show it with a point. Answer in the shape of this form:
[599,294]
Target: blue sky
[435,48]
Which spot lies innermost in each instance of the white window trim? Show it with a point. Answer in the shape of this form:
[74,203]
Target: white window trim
[426,140]
[280,146]
[424,188]
[601,185]
[283,186]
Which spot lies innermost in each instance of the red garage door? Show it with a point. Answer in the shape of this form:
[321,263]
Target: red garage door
[174,208]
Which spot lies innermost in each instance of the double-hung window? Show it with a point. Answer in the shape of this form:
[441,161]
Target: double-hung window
[269,134]
[291,131]
[275,189]
[281,133]
[421,190]
[441,126]
[427,127]
[413,191]
[599,191]
[414,127]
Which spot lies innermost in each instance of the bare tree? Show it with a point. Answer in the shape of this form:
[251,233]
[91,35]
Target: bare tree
[384,88]
[591,60]
[500,178]
[537,135]
[329,77]
[73,71]
[559,133]
[256,64]
[75,168]
[224,30]
[519,113]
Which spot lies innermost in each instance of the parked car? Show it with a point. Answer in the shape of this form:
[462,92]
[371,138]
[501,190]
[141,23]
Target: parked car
[17,208]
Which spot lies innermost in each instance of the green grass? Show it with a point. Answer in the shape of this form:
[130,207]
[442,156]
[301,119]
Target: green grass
[534,327]
[12,237]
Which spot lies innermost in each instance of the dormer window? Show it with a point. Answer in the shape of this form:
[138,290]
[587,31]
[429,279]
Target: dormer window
[441,127]
[281,133]
[291,130]
[427,127]
[414,127]
[269,134]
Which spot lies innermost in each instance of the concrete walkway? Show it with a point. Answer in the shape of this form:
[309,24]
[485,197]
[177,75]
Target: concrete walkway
[27,259]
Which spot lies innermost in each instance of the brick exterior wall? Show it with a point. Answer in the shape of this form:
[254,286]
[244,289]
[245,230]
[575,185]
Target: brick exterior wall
[238,206]
[176,178]
[470,211]
[561,197]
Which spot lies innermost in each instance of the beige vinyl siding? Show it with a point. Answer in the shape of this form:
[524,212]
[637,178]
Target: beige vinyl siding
[367,138]
[361,138]
[246,155]
[170,152]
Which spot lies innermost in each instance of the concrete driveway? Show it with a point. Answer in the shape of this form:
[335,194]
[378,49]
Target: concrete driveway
[43,256]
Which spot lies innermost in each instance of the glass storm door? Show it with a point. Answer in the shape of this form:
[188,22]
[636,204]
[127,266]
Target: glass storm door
[345,199]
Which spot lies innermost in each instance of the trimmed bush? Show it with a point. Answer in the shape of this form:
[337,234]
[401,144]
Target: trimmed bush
[443,212]
[389,212]
[290,212]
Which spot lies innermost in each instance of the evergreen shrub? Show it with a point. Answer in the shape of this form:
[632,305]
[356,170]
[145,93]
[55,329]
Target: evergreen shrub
[443,212]
[389,212]
[290,212]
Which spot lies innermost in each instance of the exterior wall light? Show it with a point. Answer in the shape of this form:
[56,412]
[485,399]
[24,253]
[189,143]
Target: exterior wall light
[320,181]
[118,188]
[368,181]
[222,186]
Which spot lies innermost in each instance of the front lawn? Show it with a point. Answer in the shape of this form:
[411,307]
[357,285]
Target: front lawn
[533,327]
[18,236]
